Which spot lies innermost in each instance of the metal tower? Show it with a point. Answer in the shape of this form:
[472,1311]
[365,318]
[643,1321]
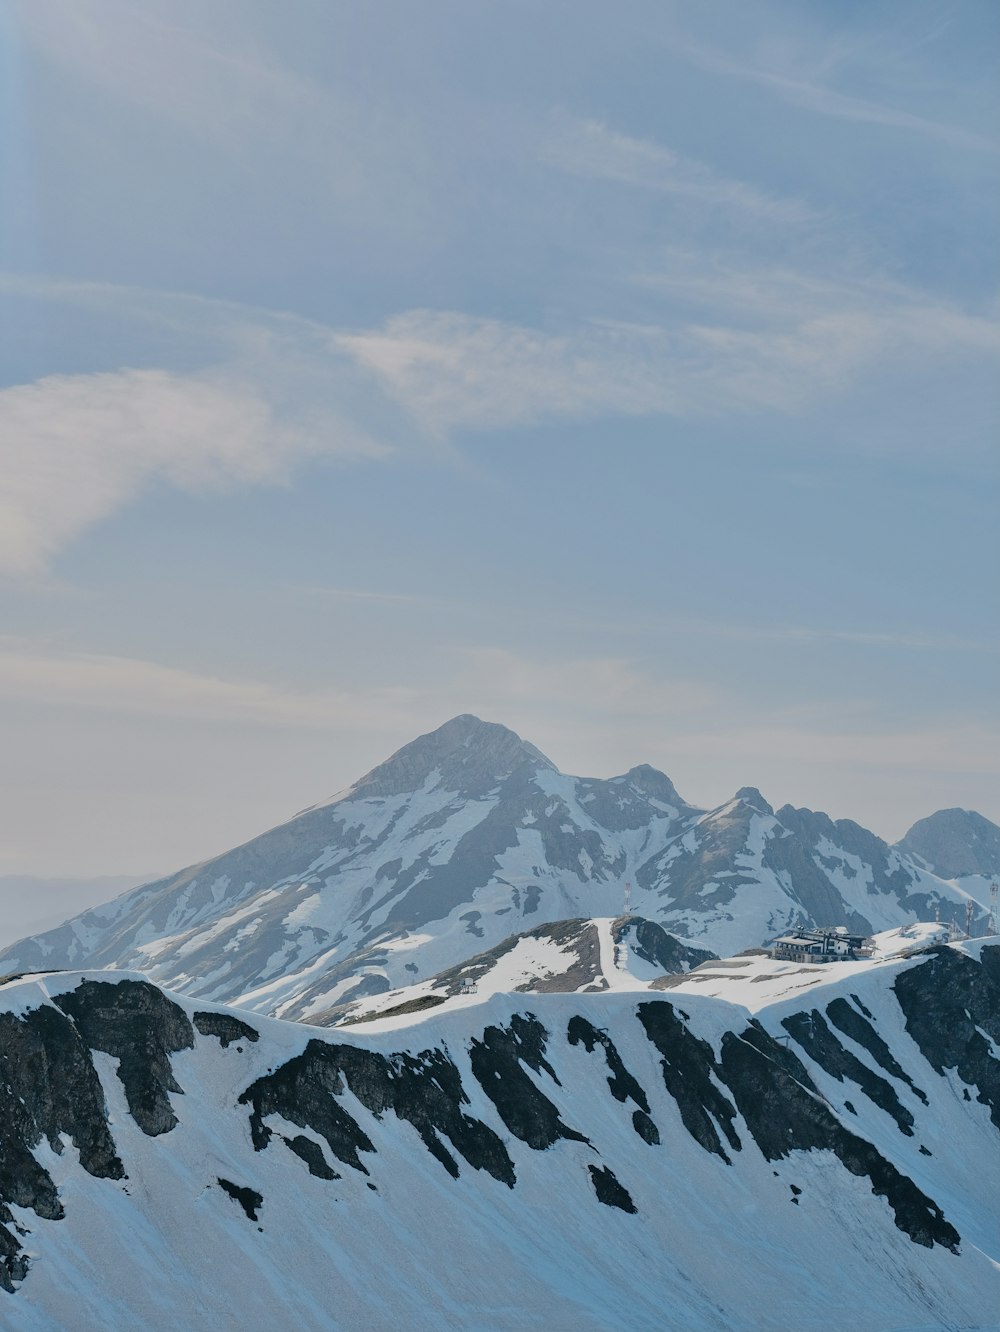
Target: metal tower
[622,956]
[992,927]
[970,906]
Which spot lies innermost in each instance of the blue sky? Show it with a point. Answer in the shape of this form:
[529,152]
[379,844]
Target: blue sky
[627,374]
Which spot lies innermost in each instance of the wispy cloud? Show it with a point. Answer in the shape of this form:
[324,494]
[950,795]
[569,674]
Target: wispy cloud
[537,693]
[611,621]
[590,148]
[74,448]
[213,85]
[819,97]
[453,370]
[42,674]
[279,390]
[494,682]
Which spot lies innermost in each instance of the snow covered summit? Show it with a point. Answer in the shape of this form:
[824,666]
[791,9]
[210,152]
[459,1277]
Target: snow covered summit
[468,836]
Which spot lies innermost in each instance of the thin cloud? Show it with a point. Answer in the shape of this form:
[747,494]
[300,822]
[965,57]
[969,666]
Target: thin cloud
[75,448]
[491,680]
[608,622]
[452,370]
[589,148]
[39,674]
[825,100]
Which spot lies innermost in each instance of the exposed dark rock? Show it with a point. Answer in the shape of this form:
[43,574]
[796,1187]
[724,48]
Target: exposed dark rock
[137,1024]
[623,1085]
[304,1091]
[811,1032]
[497,1063]
[418,1005]
[13,1261]
[752,797]
[312,1153]
[645,1128]
[989,960]
[426,1090]
[48,1087]
[785,1113]
[653,944]
[860,1030]
[944,1000]
[249,1199]
[576,935]
[688,1065]
[227,1028]
[609,1191]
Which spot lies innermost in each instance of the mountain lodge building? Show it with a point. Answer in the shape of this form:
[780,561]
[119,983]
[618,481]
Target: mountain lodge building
[824,944]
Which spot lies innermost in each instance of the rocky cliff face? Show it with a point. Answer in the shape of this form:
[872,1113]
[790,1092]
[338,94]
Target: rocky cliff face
[507,1161]
[469,836]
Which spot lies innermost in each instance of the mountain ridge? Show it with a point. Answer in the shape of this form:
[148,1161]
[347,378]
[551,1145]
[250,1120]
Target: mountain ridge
[514,1156]
[469,835]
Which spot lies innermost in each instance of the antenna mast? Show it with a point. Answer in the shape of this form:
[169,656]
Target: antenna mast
[969,908]
[992,927]
[622,951]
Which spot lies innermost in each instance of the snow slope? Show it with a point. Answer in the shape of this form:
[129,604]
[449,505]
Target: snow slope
[581,956]
[625,1160]
[469,835]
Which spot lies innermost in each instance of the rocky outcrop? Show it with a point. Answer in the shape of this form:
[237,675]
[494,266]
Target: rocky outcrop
[424,1090]
[138,1025]
[49,1089]
[952,1009]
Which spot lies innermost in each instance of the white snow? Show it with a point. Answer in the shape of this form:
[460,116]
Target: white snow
[712,1247]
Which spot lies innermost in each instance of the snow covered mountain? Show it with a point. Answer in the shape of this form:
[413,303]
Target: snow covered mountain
[469,835]
[955,844]
[565,956]
[811,1148]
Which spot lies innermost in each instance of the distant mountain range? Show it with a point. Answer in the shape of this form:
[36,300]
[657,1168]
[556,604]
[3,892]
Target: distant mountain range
[470,835]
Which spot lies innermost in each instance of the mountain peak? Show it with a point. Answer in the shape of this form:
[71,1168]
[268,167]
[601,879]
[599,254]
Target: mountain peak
[955,842]
[752,797]
[656,784]
[468,754]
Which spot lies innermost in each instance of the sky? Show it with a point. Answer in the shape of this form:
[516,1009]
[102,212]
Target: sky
[623,373]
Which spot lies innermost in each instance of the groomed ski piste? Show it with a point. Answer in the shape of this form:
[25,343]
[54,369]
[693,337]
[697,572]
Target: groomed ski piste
[623,1159]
